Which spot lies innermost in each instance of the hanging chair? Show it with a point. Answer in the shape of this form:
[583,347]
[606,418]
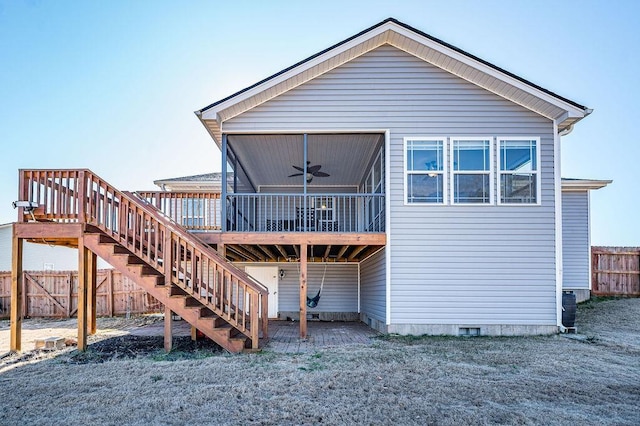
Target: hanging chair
[312,302]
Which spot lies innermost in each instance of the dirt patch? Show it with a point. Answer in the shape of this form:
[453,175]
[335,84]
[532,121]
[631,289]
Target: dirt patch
[394,380]
[131,346]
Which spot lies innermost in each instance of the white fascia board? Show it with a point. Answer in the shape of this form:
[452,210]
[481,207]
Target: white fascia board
[583,185]
[212,113]
[571,110]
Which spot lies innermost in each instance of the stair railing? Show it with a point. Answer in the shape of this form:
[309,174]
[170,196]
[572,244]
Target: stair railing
[78,195]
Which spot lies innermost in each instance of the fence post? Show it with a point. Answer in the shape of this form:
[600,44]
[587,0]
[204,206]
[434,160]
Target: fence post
[70,293]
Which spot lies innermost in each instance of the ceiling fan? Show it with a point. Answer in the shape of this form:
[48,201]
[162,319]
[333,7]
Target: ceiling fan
[311,172]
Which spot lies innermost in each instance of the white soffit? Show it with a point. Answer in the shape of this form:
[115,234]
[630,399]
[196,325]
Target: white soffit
[569,185]
[392,33]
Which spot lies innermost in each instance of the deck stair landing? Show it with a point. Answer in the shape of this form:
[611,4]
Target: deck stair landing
[172,265]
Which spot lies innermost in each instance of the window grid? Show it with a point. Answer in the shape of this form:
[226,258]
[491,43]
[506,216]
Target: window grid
[461,173]
[518,171]
[424,170]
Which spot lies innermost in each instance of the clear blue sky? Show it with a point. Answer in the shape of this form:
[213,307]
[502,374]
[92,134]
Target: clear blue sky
[112,85]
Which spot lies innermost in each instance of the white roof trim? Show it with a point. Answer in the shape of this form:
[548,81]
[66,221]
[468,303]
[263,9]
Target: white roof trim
[393,34]
[583,184]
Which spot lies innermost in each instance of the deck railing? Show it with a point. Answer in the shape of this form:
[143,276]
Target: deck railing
[305,213]
[272,212]
[81,196]
[199,211]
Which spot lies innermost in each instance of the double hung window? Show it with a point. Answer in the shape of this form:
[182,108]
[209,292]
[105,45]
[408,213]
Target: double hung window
[425,178]
[471,171]
[518,171]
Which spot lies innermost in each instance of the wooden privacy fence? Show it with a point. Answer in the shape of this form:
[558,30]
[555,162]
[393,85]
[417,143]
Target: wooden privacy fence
[55,294]
[615,271]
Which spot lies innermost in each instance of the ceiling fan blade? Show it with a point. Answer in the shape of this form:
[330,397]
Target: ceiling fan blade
[313,169]
[298,168]
[321,174]
[296,174]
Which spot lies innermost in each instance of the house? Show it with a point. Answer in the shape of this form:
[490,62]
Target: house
[391,178]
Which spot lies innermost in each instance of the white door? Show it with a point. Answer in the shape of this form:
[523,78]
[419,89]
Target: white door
[268,277]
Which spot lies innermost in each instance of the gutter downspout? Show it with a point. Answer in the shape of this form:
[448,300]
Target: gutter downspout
[558,222]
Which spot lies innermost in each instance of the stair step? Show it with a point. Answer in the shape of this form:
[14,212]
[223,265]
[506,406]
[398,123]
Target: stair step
[134,260]
[193,306]
[227,330]
[118,249]
[177,291]
[192,302]
[104,239]
[148,270]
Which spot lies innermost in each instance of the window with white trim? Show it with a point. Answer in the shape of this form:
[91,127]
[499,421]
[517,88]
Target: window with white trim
[471,171]
[518,170]
[425,178]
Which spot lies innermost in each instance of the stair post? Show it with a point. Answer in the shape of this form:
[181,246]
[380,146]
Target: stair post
[82,196]
[83,281]
[16,293]
[167,263]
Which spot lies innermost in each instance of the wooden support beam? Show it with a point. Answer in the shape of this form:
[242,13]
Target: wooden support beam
[269,253]
[282,251]
[356,251]
[92,290]
[221,250]
[194,334]
[16,293]
[255,252]
[369,251]
[326,252]
[168,330]
[244,253]
[295,249]
[343,249]
[234,256]
[48,230]
[294,238]
[83,283]
[303,291]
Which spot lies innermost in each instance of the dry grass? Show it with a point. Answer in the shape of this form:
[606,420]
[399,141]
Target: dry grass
[594,379]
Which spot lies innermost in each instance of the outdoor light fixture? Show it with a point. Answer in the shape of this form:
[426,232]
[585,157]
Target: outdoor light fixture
[28,207]
[282,273]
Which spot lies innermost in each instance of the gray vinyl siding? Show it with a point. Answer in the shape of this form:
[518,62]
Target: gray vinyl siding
[373,288]
[575,240]
[449,264]
[340,292]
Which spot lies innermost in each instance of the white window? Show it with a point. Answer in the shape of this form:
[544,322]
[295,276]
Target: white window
[471,171]
[425,177]
[518,170]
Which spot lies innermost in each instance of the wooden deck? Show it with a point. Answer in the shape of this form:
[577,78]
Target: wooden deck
[282,247]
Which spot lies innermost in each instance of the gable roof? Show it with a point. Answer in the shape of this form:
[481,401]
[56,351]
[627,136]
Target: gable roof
[202,182]
[415,42]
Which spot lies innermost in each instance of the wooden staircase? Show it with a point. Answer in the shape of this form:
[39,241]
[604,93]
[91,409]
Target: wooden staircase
[172,265]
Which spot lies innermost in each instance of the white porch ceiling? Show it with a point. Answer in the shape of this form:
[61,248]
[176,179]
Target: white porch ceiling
[269,159]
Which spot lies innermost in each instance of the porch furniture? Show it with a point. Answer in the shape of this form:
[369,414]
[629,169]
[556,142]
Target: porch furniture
[307,223]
